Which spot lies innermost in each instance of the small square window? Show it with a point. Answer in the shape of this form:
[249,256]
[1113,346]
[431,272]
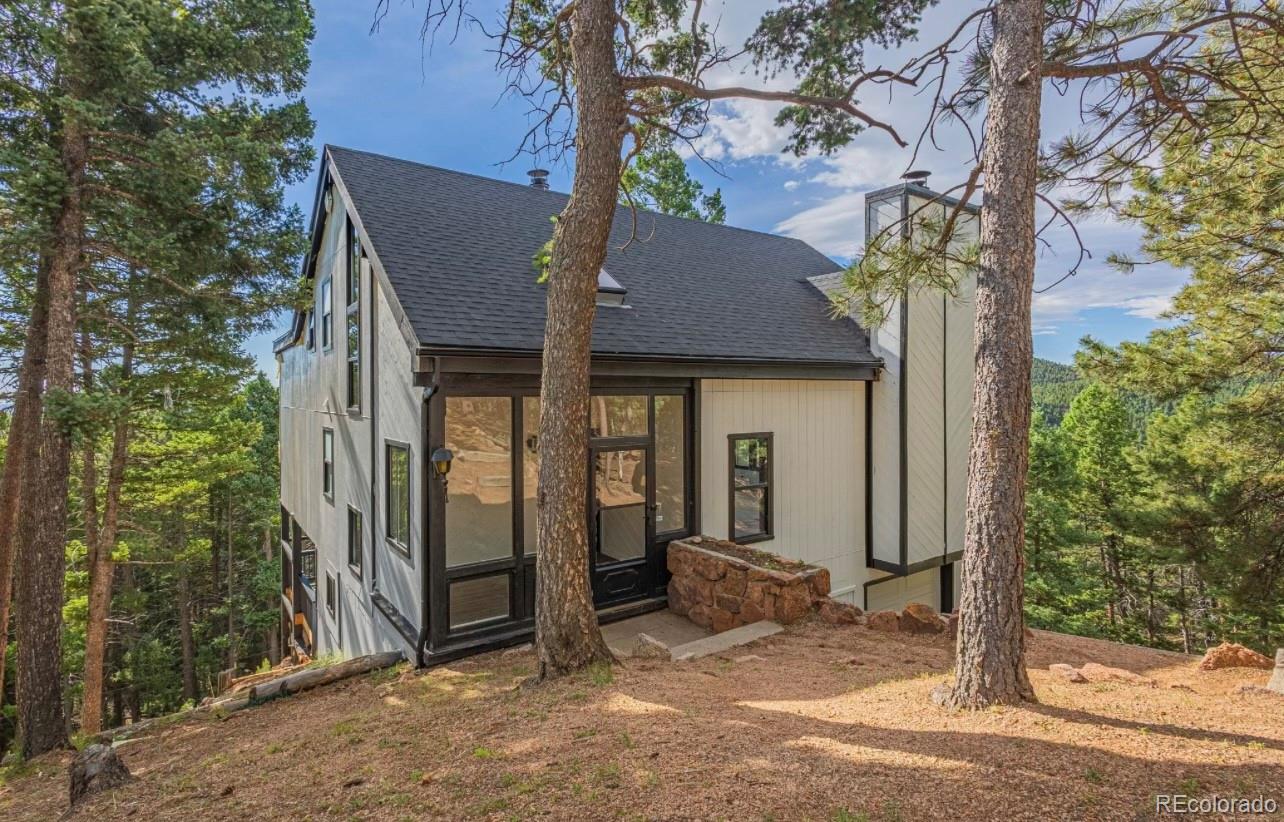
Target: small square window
[355,539]
[751,487]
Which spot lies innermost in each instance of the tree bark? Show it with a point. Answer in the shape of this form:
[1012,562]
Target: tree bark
[186,644]
[567,637]
[101,567]
[43,511]
[24,429]
[990,662]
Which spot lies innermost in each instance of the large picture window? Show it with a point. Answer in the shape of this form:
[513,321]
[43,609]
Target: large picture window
[354,317]
[479,519]
[355,548]
[397,483]
[751,489]
[327,463]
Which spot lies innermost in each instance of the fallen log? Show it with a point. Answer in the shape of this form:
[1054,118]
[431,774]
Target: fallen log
[316,677]
[283,686]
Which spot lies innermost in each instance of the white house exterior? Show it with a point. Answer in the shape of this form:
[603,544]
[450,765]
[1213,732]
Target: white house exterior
[727,401]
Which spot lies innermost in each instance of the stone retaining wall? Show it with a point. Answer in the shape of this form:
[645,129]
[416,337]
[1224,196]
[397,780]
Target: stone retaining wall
[720,592]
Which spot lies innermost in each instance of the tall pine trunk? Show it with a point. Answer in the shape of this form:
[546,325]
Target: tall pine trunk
[42,516]
[567,637]
[187,646]
[101,567]
[990,661]
[23,431]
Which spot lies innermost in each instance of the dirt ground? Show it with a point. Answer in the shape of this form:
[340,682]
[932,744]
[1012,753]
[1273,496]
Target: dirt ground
[816,723]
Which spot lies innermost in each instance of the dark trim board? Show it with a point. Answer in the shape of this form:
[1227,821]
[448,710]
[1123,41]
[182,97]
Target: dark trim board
[528,362]
[384,606]
[906,570]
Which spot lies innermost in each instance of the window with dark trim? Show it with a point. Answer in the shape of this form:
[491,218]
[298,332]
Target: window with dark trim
[355,547]
[331,595]
[751,491]
[312,330]
[354,317]
[397,485]
[327,463]
[327,314]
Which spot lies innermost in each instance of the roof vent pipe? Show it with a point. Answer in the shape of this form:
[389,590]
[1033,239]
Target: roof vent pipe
[918,178]
[539,178]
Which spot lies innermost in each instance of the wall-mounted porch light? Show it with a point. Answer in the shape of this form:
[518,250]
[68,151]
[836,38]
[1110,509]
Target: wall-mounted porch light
[441,460]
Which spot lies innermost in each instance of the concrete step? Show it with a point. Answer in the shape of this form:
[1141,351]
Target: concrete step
[723,641]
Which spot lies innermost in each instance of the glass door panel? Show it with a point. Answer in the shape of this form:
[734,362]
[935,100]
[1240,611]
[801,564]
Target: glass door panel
[479,520]
[619,485]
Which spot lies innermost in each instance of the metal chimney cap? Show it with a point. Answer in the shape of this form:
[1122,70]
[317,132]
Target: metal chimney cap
[916,177]
[539,178]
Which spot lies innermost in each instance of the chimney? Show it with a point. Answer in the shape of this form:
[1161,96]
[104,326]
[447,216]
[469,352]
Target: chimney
[917,178]
[539,178]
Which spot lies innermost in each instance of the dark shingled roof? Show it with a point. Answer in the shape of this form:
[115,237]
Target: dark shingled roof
[457,249]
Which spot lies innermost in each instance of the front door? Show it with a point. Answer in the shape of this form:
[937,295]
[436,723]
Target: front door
[620,526]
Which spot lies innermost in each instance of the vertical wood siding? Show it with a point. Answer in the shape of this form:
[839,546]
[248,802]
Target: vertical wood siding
[818,471]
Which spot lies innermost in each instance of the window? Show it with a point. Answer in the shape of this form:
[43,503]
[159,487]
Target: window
[670,464]
[397,483]
[327,315]
[312,330]
[479,518]
[327,463]
[354,540]
[354,317]
[308,563]
[331,595]
[750,487]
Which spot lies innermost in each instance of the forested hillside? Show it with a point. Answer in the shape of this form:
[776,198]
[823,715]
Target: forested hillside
[1052,386]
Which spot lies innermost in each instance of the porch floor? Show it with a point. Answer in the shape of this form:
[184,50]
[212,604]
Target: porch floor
[665,626]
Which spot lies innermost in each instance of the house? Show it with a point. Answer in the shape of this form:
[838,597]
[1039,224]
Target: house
[727,400]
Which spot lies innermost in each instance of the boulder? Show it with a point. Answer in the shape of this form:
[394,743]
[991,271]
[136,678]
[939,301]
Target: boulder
[793,603]
[96,768]
[918,618]
[817,580]
[887,621]
[648,647]
[722,620]
[1277,679]
[838,613]
[701,615]
[1068,672]
[1096,672]
[1233,655]
[751,612]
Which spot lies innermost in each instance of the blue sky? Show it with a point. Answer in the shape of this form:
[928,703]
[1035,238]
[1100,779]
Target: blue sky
[385,92]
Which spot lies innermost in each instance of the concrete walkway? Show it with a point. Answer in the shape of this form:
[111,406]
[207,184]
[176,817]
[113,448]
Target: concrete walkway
[675,637]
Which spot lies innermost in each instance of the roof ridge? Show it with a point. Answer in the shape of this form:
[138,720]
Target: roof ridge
[527,188]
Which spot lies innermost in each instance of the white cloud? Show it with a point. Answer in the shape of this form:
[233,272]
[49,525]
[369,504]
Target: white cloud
[836,227]
[790,185]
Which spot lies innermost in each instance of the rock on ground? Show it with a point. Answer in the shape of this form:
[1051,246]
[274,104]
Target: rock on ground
[888,621]
[1233,655]
[96,768]
[1068,672]
[1096,672]
[918,618]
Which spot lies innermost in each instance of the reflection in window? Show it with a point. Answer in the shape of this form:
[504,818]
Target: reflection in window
[617,416]
[530,471]
[479,523]
[474,601]
[750,487]
[670,464]
[398,485]
[619,488]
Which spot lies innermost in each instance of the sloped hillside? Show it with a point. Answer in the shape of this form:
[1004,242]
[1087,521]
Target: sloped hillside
[819,722]
[1052,386]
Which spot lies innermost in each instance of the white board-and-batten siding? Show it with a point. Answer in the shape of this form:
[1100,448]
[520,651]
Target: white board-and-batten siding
[313,396]
[817,470]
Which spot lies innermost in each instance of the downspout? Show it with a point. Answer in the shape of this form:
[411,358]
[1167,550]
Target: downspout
[374,422]
[427,473]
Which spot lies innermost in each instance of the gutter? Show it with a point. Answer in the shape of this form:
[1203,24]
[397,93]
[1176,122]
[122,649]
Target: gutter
[427,473]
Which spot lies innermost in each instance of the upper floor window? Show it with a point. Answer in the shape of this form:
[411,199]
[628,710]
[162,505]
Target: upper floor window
[397,484]
[327,315]
[327,463]
[354,316]
[312,330]
[354,541]
[751,488]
